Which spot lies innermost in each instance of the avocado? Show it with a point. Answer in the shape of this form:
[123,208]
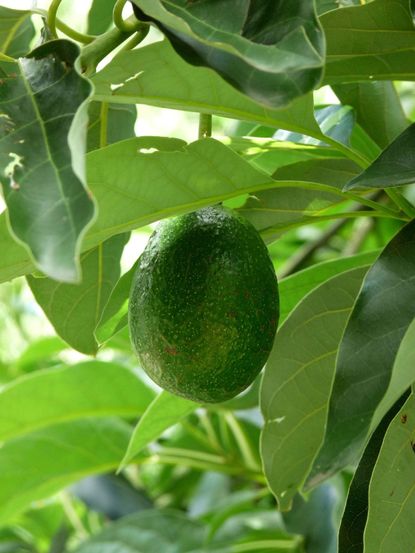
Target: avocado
[203,307]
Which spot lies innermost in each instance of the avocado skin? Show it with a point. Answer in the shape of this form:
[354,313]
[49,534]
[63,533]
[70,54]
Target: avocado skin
[203,308]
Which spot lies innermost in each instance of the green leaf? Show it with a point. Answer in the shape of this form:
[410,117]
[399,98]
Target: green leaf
[157,76]
[40,354]
[100,16]
[296,383]
[38,465]
[305,190]
[115,314]
[392,487]
[165,411]
[48,206]
[89,389]
[152,531]
[293,288]
[377,107]
[75,309]
[324,6]
[374,41]
[271,51]
[394,166]
[119,118]
[16,31]
[355,514]
[384,309]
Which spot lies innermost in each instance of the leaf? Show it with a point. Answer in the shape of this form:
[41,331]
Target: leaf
[373,41]
[151,531]
[394,166]
[391,491]
[120,120]
[115,313]
[157,76]
[305,190]
[271,51]
[296,383]
[328,5]
[48,206]
[384,309]
[378,108]
[75,309]
[165,411]
[355,514]
[37,465]
[100,16]
[88,389]
[40,354]
[16,31]
[295,287]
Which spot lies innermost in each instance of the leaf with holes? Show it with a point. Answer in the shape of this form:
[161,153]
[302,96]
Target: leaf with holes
[75,309]
[42,99]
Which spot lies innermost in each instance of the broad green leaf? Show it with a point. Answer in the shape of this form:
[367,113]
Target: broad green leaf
[296,383]
[16,31]
[175,178]
[293,288]
[271,51]
[40,354]
[152,531]
[355,513]
[378,109]
[382,314]
[14,259]
[115,314]
[373,41]
[100,16]
[165,411]
[157,76]
[305,190]
[38,465]
[119,119]
[89,389]
[392,488]
[394,166]
[402,375]
[43,186]
[75,309]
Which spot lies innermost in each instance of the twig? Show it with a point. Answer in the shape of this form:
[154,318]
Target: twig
[363,228]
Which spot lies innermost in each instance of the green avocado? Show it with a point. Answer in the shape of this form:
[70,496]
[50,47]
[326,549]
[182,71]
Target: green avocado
[203,305]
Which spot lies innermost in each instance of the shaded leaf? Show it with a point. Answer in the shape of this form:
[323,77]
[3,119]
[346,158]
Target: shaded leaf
[120,120]
[392,498]
[355,514]
[16,31]
[37,465]
[165,411]
[272,51]
[375,41]
[296,384]
[48,206]
[394,166]
[151,531]
[384,309]
[100,16]
[115,314]
[75,309]
[157,76]
[89,389]
[378,108]
[294,287]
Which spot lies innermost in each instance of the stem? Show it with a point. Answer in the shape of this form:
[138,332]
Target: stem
[400,200]
[103,130]
[93,53]
[362,229]
[59,540]
[272,545]
[123,25]
[205,125]
[210,431]
[68,31]
[73,516]
[198,435]
[242,441]
[138,37]
[51,18]
[358,158]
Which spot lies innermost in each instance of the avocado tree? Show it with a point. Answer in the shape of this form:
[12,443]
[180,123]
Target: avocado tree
[303,136]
